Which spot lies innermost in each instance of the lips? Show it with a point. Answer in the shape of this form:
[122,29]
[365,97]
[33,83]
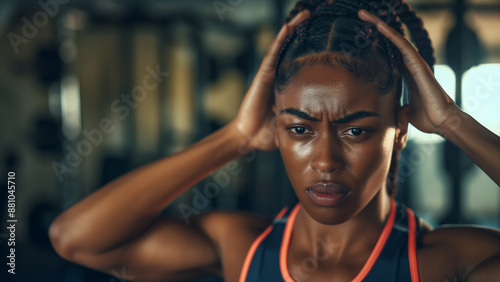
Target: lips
[328,194]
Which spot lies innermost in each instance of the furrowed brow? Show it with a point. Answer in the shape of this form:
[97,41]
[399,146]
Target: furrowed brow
[356,116]
[346,119]
[298,113]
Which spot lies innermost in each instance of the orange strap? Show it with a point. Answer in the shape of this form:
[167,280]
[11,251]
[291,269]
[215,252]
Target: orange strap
[384,236]
[255,245]
[382,240]
[379,245]
[412,245]
[285,244]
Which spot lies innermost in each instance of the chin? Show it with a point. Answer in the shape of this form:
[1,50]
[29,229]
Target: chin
[329,215]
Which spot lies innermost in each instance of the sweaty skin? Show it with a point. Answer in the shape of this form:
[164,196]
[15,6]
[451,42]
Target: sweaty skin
[321,139]
[328,151]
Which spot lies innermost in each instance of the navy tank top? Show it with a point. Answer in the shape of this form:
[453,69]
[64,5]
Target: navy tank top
[393,258]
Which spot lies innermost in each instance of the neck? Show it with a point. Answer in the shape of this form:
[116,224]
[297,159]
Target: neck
[358,235]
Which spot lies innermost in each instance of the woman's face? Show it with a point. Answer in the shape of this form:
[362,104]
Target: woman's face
[336,135]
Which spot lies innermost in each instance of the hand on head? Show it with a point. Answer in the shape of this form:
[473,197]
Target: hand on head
[431,108]
[254,123]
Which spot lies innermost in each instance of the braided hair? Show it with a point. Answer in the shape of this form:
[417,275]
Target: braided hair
[333,34]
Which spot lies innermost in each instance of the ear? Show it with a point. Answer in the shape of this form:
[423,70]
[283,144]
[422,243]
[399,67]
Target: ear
[276,142]
[401,128]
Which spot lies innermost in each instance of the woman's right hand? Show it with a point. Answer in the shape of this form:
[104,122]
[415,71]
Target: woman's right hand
[254,121]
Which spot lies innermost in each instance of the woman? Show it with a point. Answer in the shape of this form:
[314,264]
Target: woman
[336,73]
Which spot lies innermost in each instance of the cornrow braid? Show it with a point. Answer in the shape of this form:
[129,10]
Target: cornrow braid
[303,29]
[390,17]
[418,34]
[285,45]
[300,30]
[341,8]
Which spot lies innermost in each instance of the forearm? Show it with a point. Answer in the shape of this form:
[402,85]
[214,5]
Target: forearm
[479,143]
[123,208]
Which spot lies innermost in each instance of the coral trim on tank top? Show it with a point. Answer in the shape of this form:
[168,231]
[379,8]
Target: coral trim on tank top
[412,245]
[255,245]
[287,234]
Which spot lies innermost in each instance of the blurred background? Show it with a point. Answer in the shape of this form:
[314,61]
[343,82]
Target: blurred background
[91,89]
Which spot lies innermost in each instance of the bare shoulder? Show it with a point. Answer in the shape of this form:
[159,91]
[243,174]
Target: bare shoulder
[232,233]
[459,253]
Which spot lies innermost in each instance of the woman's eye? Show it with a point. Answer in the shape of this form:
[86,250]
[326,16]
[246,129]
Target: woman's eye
[356,131]
[299,130]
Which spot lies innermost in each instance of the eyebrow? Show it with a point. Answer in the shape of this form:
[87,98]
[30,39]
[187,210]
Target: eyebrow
[346,119]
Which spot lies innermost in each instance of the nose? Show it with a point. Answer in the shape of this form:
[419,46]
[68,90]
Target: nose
[327,154]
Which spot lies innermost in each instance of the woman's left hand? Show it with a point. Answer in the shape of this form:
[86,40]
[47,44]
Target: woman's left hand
[431,108]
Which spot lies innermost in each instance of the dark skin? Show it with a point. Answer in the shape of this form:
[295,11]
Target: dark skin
[130,232]
[356,154]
